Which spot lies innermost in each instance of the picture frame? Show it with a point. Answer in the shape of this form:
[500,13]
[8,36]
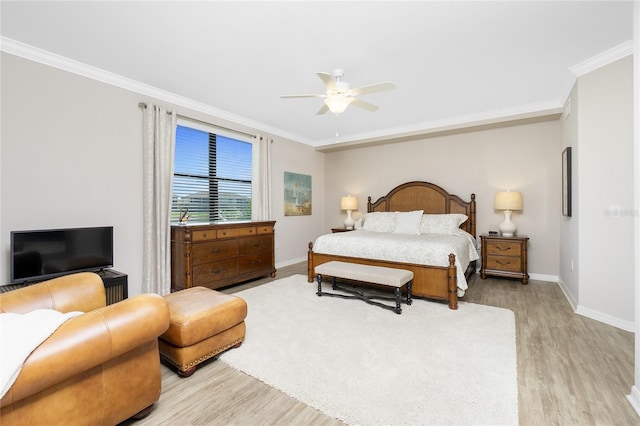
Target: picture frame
[566,182]
[297,194]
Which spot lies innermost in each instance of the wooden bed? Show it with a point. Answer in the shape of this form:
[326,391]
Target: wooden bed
[432,282]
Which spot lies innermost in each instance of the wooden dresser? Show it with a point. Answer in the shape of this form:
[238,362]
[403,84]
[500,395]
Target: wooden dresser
[218,255]
[504,257]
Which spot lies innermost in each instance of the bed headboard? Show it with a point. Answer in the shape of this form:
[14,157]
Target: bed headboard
[428,197]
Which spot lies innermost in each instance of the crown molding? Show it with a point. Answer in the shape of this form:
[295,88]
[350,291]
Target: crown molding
[604,58]
[44,57]
[426,129]
[540,109]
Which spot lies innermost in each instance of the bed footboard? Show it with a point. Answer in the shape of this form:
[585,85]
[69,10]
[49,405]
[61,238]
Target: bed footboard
[430,282]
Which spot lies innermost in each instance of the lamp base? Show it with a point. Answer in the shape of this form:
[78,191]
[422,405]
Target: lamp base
[349,222]
[507,228]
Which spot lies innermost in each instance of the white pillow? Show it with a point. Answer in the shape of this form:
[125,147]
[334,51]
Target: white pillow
[379,222]
[442,223]
[408,222]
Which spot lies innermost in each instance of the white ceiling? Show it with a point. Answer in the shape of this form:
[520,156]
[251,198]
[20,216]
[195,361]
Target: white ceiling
[453,63]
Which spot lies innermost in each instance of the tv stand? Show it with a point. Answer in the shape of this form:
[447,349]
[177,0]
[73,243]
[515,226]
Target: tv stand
[115,285]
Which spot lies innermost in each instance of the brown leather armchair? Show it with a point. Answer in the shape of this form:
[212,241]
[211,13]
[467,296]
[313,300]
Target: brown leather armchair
[101,367]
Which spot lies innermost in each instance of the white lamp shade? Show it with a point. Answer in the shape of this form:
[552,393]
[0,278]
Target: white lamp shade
[337,104]
[349,203]
[508,200]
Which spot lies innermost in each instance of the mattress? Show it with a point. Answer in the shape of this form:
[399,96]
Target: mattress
[423,249]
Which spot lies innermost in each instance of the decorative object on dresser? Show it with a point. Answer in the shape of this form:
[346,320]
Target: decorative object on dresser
[431,280]
[504,257]
[508,201]
[349,204]
[221,254]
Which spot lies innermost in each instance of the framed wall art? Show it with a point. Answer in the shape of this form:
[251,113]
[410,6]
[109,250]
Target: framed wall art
[297,194]
[566,182]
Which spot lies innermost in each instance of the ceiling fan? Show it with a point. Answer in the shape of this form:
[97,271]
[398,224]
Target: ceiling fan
[338,95]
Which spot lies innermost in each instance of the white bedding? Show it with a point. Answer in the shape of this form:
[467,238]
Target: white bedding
[423,249]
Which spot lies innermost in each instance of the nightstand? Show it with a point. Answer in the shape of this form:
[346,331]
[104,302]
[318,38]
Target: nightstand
[334,230]
[504,257]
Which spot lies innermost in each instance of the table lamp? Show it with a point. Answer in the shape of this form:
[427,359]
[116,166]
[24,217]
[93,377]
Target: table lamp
[508,201]
[349,203]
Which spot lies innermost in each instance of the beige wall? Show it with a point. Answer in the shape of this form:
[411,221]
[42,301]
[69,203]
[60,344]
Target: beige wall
[523,157]
[71,155]
[606,173]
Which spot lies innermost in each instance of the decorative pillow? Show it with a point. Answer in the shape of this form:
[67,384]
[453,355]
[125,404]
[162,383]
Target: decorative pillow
[408,222]
[379,222]
[442,223]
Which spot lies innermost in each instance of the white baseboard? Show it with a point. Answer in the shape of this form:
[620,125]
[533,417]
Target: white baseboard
[543,277]
[596,315]
[290,262]
[572,301]
[607,319]
[634,399]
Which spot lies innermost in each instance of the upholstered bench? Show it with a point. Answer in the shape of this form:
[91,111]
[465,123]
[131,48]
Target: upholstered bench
[203,323]
[380,275]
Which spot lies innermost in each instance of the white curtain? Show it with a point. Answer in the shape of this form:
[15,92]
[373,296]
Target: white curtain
[261,181]
[159,141]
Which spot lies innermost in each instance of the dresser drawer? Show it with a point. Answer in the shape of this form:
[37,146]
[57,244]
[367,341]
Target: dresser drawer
[504,263]
[214,271]
[214,250]
[254,262]
[237,232]
[265,229]
[504,248]
[204,235]
[257,244]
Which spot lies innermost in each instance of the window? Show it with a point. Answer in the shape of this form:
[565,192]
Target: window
[211,178]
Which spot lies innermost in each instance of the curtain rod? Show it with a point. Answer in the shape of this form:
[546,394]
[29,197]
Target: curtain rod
[144,106]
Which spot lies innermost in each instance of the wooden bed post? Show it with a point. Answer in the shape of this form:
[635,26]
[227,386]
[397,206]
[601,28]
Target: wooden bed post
[310,263]
[472,215]
[453,282]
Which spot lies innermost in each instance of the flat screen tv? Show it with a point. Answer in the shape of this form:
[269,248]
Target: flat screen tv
[43,254]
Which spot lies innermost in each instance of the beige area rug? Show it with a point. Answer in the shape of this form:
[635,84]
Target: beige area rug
[366,365]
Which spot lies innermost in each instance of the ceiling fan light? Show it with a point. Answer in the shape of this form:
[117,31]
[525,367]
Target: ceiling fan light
[337,104]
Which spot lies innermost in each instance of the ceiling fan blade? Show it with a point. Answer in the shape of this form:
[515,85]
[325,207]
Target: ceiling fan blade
[328,80]
[364,105]
[323,110]
[371,89]
[304,96]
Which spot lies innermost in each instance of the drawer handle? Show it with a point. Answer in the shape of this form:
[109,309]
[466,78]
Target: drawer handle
[508,262]
[256,244]
[224,232]
[204,235]
[215,271]
[215,250]
[503,249]
[256,262]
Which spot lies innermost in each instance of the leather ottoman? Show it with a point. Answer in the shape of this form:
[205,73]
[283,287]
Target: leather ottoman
[203,323]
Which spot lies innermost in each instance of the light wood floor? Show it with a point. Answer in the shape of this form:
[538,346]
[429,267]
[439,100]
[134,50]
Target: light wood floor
[571,370]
